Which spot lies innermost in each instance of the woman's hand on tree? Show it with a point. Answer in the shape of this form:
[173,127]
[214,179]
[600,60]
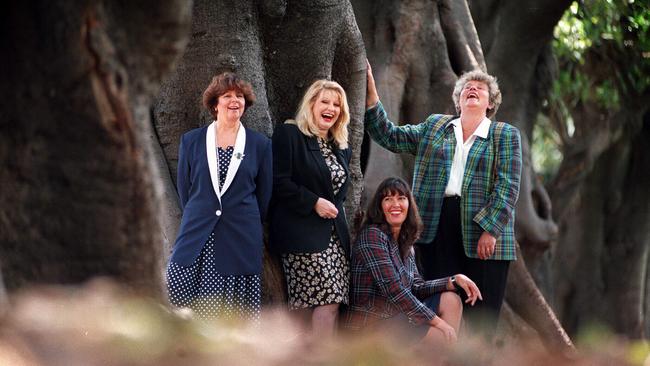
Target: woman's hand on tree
[372,98]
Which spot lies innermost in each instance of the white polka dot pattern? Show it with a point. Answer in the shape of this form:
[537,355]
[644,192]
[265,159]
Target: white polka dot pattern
[212,295]
[225,155]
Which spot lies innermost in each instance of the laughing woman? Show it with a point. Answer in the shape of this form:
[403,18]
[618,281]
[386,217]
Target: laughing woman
[308,225]
[387,292]
[224,185]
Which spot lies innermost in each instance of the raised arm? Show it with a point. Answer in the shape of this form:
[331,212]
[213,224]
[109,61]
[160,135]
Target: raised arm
[398,139]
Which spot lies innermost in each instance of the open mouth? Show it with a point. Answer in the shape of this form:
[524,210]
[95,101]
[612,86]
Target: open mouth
[472,95]
[327,117]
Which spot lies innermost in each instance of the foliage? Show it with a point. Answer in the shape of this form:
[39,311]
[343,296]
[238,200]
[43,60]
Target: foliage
[545,153]
[603,53]
[615,35]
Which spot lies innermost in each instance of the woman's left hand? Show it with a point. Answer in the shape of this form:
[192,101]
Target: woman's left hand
[470,288]
[486,245]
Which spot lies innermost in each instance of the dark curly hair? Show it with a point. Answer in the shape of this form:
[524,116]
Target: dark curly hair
[223,83]
[412,226]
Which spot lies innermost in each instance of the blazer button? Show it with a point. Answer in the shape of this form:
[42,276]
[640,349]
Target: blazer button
[218,213]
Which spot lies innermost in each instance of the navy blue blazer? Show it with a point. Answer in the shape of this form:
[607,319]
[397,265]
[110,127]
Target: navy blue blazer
[300,177]
[237,218]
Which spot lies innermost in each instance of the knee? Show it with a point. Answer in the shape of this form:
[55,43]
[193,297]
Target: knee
[450,301]
[326,312]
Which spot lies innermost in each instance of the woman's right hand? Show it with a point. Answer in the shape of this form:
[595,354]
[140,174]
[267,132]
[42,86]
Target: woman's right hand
[372,98]
[439,325]
[325,209]
[470,288]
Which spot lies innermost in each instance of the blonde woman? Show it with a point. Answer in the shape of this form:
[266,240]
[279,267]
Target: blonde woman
[307,222]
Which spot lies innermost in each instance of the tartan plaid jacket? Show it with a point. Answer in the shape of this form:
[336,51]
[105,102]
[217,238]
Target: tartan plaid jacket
[490,185]
[382,284]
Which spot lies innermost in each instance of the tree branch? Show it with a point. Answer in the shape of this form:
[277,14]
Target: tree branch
[463,44]
[528,302]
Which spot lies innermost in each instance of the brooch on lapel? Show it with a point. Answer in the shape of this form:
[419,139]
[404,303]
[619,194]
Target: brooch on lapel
[239,156]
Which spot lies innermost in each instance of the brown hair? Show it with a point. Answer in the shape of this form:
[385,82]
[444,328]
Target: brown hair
[223,83]
[411,227]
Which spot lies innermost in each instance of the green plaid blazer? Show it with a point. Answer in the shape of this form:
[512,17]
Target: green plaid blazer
[490,184]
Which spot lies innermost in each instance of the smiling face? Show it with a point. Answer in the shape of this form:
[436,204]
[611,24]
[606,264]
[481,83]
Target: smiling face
[475,96]
[326,110]
[230,105]
[395,207]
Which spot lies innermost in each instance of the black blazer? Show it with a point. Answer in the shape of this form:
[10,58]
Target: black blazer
[300,177]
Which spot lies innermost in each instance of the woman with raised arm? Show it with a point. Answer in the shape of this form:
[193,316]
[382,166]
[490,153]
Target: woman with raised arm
[465,182]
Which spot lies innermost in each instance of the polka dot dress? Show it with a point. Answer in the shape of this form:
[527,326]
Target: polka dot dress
[315,279]
[209,294]
[224,157]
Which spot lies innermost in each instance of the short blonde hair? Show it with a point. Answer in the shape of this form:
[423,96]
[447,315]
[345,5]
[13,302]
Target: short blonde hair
[305,119]
[489,80]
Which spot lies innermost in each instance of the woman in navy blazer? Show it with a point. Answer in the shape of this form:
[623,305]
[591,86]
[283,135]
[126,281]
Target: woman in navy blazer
[307,221]
[224,185]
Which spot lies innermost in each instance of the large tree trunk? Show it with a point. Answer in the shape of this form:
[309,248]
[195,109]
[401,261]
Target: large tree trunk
[525,299]
[79,193]
[602,276]
[601,200]
[265,43]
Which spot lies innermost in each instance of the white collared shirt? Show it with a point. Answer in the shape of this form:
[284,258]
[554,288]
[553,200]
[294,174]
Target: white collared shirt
[455,184]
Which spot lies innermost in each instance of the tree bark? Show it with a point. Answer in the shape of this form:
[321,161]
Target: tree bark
[4,300]
[600,198]
[79,196]
[525,299]
[601,277]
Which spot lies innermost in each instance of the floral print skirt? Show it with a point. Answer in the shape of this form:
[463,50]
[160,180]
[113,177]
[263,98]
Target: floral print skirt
[315,279]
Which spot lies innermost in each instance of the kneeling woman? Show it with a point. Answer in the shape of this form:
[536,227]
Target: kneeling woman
[386,288]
